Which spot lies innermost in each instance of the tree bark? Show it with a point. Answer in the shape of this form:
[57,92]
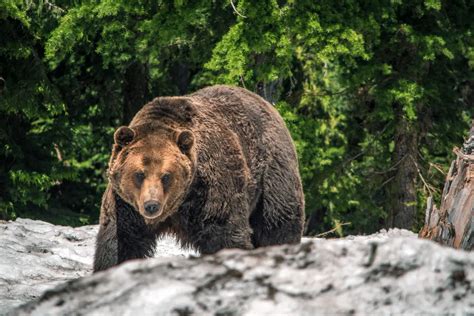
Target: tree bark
[181,76]
[135,91]
[2,84]
[452,224]
[402,191]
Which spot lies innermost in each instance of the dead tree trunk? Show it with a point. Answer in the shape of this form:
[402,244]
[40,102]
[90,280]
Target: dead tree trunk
[453,224]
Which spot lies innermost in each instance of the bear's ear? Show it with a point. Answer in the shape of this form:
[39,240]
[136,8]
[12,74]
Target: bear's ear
[185,141]
[123,136]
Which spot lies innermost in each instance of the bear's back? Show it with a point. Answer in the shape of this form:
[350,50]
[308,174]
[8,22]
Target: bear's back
[245,112]
[231,100]
[259,128]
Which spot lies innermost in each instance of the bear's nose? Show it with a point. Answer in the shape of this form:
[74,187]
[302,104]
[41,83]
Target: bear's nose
[151,207]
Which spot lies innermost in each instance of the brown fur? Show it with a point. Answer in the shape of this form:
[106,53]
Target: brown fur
[233,177]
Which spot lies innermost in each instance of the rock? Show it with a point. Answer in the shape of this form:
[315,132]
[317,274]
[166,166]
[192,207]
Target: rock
[36,256]
[387,273]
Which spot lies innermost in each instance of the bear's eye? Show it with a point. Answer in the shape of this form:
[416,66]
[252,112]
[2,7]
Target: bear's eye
[166,180]
[139,177]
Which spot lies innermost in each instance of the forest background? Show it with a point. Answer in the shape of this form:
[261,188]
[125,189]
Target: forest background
[375,93]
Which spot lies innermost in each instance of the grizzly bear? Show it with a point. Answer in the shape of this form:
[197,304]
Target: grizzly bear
[216,169]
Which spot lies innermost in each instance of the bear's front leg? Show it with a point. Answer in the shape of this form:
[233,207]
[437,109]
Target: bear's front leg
[106,250]
[218,235]
[123,234]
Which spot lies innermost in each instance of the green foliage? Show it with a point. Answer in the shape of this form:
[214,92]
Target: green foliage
[345,75]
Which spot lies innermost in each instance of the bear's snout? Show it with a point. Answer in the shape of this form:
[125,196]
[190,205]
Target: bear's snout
[152,207]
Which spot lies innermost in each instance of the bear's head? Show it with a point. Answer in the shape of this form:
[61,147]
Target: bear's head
[152,172]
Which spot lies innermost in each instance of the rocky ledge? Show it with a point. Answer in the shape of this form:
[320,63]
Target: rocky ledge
[387,273]
[36,256]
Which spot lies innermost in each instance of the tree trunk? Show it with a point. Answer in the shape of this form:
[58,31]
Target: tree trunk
[181,76]
[452,224]
[402,191]
[135,91]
